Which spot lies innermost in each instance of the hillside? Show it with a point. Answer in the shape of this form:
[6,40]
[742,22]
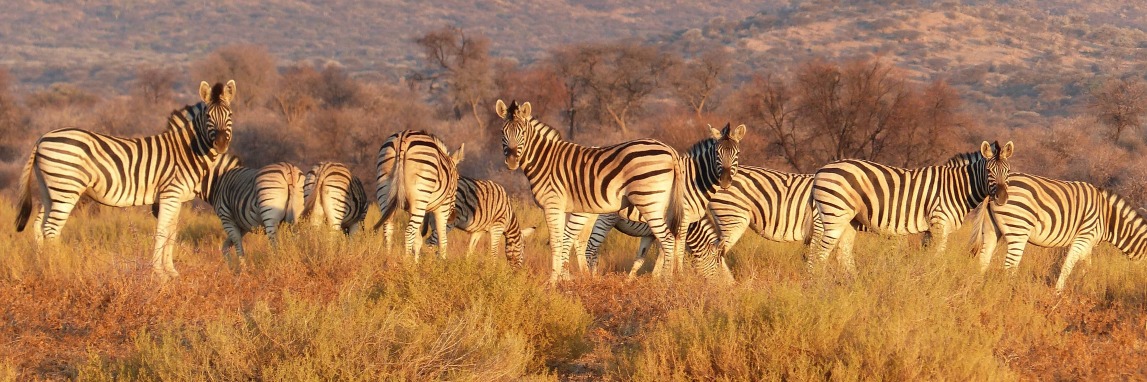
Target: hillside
[101,42]
[1006,58]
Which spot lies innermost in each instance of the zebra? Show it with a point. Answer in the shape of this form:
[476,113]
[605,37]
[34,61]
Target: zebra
[852,192]
[567,178]
[708,164]
[482,206]
[1054,213]
[774,204]
[701,238]
[417,174]
[334,197]
[245,198]
[161,170]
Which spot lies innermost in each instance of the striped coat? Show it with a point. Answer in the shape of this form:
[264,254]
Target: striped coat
[482,206]
[334,197]
[1055,213]
[247,198]
[570,179]
[899,201]
[417,174]
[163,170]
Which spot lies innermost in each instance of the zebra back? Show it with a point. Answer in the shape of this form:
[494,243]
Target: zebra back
[775,204]
[415,163]
[334,196]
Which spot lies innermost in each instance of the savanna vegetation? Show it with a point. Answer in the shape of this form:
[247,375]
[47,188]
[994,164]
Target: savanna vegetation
[904,83]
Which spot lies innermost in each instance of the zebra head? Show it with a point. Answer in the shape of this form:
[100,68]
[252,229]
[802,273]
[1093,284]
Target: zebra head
[218,100]
[998,168]
[728,151]
[514,130]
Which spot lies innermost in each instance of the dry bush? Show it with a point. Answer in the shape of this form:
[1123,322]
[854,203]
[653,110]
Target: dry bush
[251,66]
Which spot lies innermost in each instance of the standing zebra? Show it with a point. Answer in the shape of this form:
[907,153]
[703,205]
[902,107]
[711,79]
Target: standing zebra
[569,178]
[852,192]
[245,198]
[709,164]
[162,170]
[334,196]
[482,206]
[416,173]
[1054,213]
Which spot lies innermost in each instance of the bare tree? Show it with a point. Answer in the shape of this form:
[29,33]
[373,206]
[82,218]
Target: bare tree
[1119,104]
[695,81]
[154,85]
[574,65]
[10,111]
[462,63]
[251,66]
[626,75]
[294,99]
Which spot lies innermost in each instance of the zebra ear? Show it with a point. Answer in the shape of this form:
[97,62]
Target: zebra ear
[526,232]
[228,92]
[1007,151]
[986,150]
[459,154]
[714,133]
[205,91]
[738,133]
[524,110]
[500,108]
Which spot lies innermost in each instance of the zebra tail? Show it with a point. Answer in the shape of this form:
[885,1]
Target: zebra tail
[316,194]
[981,222]
[25,194]
[676,200]
[294,178]
[394,197]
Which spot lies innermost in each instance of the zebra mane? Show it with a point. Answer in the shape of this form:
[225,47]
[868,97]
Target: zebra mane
[699,148]
[185,118]
[965,159]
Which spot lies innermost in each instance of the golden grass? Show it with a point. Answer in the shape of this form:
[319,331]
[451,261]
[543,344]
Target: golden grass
[325,307]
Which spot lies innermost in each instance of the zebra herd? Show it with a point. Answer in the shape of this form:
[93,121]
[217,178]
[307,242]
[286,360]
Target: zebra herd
[703,200]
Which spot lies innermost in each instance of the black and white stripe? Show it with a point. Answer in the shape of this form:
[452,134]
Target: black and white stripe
[417,174]
[163,170]
[774,204]
[701,239]
[482,206]
[709,164]
[567,178]
[247,198]
[334,197]
[899,201]
[1054,213]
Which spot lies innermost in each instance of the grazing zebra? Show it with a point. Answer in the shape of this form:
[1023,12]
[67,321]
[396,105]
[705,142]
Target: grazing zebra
[245,198]
[334,197]
[417,174]
[774,204]
[163,170]
[567,178]
[482,206]
[708,164]
[851,193]
[701,239]
[1054,213]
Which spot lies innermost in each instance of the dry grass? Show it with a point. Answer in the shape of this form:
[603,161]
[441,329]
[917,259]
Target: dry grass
[325,307]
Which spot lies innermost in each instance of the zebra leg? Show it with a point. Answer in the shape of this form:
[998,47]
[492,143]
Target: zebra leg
[573,228]
[232,238]
[441,217]
[388,234]
[601,228]
[38,226]
[731,230]
[556,222]
[474,238]
[497,234]
[988,241]
[828,240]
[56,214]
[938,235]
[1080,250]
[1016,243]
[847,239]
[161,259]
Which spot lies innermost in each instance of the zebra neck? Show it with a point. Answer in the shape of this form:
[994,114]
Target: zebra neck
[975,189]
[544,139]
[1124,226]
[698,170]
[186,127]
